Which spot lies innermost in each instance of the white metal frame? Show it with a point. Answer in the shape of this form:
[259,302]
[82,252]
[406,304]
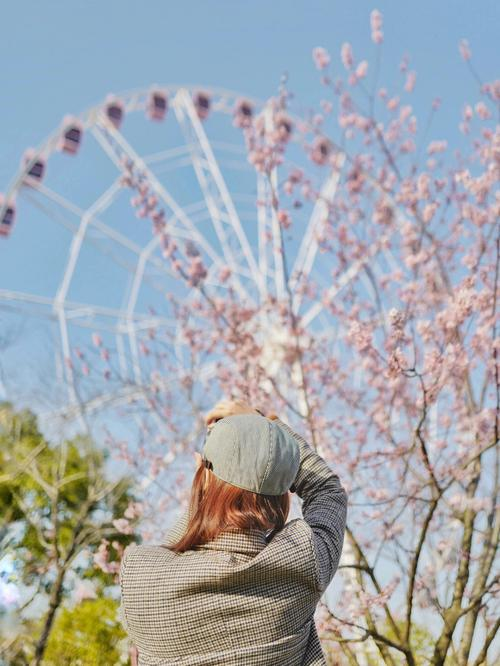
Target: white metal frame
[255,271]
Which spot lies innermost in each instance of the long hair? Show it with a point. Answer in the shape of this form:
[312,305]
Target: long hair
[216,505]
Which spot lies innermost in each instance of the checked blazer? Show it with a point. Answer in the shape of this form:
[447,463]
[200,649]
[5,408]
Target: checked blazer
[244,598]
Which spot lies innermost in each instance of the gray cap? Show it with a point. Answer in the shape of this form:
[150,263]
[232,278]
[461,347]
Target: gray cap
[252,452]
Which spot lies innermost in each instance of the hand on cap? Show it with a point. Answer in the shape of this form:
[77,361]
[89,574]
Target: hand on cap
[228,408]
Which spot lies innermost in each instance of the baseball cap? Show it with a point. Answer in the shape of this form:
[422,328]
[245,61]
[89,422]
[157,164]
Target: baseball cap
[252,452]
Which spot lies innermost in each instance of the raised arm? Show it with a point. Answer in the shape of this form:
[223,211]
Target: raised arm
[324,507]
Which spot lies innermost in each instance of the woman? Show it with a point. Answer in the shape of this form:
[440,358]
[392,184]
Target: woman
[234,583]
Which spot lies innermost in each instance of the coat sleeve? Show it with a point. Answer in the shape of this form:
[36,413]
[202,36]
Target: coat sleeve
[121,610]
[324,507]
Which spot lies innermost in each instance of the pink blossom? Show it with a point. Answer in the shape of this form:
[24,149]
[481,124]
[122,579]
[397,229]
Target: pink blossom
[482,111]
[326,106]
[362,69]
[423,182]
[396,363]
[467,112]
[376,26]
[84,590]
[371,601]
[384,213]
[392,104]
[123,526]
[346,55]
[464,49]
[224,273]
[437,147]
[408,146]
[376,20]
[410,81]
[396,318]
[96,339]
[321,57]
[9,594]
[101,559]
[284,219]
[429,211]
[360,335]
[196,271]
[424,329]
[134,510]
[321,150]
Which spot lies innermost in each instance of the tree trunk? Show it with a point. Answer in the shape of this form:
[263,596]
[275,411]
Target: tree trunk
[54,602]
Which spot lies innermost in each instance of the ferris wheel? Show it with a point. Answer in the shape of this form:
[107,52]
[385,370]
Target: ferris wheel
[78,252]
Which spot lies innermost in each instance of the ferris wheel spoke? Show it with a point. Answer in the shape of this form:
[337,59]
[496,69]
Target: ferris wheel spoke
[82,314]
[123,395]
[309,244]
[280,279]
[131,304]
[213,185]
[263,224]
[106,231]
[166,155]
[212,219]
[100,204]
[61,293]
[119,147]
[271,268]
[346,277]
[116,398]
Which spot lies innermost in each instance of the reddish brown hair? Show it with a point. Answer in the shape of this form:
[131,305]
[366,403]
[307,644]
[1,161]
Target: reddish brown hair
[216,506]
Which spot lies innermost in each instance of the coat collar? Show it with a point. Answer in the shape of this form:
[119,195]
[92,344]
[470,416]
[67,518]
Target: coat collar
[250,541]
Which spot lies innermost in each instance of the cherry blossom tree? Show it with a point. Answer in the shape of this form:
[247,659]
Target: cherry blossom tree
[386,360]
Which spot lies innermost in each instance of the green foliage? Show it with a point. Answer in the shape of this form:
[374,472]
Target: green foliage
[421,641]
[88,634]
[59,495]
[57,503]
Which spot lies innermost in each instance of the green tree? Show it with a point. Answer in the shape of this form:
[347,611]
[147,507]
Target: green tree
[63,505]
[89,633]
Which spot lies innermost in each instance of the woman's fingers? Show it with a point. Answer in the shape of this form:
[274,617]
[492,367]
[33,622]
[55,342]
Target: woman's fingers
[228,408]
[221,409]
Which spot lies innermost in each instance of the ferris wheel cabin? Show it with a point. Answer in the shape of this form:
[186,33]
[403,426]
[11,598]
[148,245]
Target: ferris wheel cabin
[34,165]
[114,112]
[157,105]
[202,104]
[7,217]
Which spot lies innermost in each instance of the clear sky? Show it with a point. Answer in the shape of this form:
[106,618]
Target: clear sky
[63,57]
[60,56]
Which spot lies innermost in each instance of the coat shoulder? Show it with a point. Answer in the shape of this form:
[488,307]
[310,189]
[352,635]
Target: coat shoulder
[294,545]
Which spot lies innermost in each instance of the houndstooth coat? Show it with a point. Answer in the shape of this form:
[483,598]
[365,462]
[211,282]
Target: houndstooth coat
[242,598]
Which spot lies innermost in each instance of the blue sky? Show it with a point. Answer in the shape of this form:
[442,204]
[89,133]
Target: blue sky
[59,57]
[62,57]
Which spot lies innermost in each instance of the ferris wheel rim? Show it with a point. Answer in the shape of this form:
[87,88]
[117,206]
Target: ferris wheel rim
[91,117]
[88,118]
